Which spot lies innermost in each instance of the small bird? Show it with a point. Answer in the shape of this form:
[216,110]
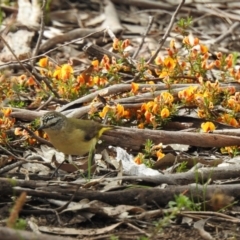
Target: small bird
[72,136]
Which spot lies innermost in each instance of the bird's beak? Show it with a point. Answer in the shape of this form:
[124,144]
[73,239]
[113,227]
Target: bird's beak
[41,126]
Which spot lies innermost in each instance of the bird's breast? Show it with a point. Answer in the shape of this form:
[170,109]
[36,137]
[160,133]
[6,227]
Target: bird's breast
[71,143]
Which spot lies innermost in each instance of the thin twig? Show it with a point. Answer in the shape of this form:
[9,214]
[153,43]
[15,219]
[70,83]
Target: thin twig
[45,103]
[143,37]
[162,41]
[226,34]
[51,50]
[10,49]
[36,49]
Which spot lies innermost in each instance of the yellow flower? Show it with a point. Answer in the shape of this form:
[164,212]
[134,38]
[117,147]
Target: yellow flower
[104,112]
[158,61]
[187,94]
[227,118]
[125,43]
[135,87]
[6,112]
[203,49]
[63,73]
[201,113]
[165,113]
[66,71]
[95,64]
[186,41]
[208,127]
[43,62]
[229,60]
[141,125]
[115,44]
[31,82]
[120,111]
[169,63]
[148,116]
[167,97]
[18,131]
[159,154]
[139,158]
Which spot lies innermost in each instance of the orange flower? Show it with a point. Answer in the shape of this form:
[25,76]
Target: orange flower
[229,60]
[208,127]
[115,44]
[121,112]
[158,61]
[31,82]
[219,55]
[172,44]
[18,131]
[105,62]
[227,118]
[187,94]
[80,79]
[186,41]
[148,116]
[99,81]
[196,41]
[66,71]
[125,43]
[231,89]
[139,158]
[141,125]
[203,49]
[95,64]
[201,113]
[160,155]
[218,63]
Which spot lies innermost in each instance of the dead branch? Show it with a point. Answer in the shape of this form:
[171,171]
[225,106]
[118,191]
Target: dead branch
[133,138]
[13,234]
[133,196]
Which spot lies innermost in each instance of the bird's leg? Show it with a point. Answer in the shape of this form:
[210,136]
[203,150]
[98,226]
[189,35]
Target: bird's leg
[64,161]
[91,155]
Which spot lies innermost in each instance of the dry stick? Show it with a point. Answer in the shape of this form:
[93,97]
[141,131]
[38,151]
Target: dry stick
[36,49]
[162,41]
[150,18]
[135,138]
[226,34]
[35,52]
[60,209]
[207,213]
[134,196]
[10,167]
[51,50]
[22,160]
[16,210]
[45,103]
[112,19]
[20,61]
[14,234]
[66,37]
